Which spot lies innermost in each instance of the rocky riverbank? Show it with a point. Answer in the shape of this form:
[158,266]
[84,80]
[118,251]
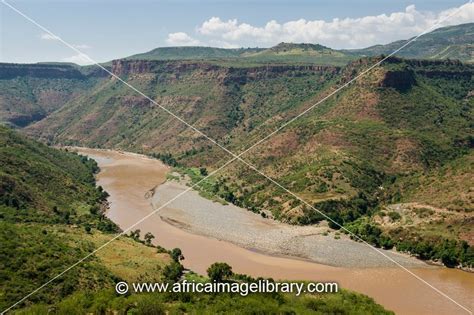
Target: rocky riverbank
[198,215]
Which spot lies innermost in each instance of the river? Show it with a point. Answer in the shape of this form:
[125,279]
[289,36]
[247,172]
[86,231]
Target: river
[127,177]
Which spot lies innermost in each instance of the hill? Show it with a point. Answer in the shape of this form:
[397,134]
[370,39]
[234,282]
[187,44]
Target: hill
[451,42]
[281,53]
[191,52]
[29,92]
[51,216]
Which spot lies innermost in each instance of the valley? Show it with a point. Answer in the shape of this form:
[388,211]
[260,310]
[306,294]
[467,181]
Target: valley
[129,176]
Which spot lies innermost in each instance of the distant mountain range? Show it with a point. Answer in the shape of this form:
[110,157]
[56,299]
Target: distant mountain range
[281,53]
[451,42]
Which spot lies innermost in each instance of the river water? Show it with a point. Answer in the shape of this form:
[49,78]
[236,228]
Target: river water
[127,177]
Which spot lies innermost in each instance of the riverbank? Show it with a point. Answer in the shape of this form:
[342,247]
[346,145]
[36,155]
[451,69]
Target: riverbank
[229,223]
[128,177]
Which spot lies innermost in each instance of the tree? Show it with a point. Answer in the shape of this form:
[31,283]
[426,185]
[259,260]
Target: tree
[88,228]
[135,234]
[148,237]
[219,271]
[177,254]
[203,171]
[173,271]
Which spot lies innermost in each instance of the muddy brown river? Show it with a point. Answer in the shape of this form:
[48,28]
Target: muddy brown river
[127,177]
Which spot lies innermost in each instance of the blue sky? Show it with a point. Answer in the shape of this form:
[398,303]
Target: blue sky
[107,30]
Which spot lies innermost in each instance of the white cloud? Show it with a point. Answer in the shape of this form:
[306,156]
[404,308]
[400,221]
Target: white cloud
[47,36]
[80,59]
[338,33]
[181,39]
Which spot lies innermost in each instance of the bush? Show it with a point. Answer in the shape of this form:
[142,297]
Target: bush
[173,271]
[176,254]
[219,271]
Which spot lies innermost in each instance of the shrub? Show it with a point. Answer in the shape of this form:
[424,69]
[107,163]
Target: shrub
[219,271]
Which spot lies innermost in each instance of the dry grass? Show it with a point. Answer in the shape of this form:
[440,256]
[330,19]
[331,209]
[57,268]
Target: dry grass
[129,259]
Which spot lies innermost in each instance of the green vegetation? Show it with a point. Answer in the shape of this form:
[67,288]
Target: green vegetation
[450,252]
[31,92]
[219,272]
[287,53]
[224,303]
[451,42]
[43,192]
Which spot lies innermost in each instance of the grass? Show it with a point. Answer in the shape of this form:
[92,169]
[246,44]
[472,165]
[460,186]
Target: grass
[128,259]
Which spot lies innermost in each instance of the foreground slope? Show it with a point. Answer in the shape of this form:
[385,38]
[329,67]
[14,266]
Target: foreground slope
[51,216]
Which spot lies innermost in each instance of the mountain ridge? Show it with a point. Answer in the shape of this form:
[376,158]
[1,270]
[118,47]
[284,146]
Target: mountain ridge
[454,42]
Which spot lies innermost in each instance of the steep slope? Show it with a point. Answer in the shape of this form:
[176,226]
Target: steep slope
[29,92]
[51,215]
[451,42]
[217,99]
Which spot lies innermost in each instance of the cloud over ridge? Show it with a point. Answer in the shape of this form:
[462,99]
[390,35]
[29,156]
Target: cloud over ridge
[337,33]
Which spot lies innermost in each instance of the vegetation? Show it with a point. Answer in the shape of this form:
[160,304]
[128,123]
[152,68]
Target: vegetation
[31,92]
[451,42]
[451,252]
[287,53]
[218,272]
[103,301]
[413,140]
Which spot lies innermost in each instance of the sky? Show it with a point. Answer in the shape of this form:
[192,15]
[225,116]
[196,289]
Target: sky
[106,29]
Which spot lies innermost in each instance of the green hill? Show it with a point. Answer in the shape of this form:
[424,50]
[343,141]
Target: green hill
[191,52]
[51,215]
[451,42]
[281,53]
[29,92]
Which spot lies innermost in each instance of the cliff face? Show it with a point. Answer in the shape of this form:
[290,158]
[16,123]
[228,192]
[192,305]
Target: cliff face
[46,71]
[127,67]
[10,71]
[400,80]
[29,92]
[220,98]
